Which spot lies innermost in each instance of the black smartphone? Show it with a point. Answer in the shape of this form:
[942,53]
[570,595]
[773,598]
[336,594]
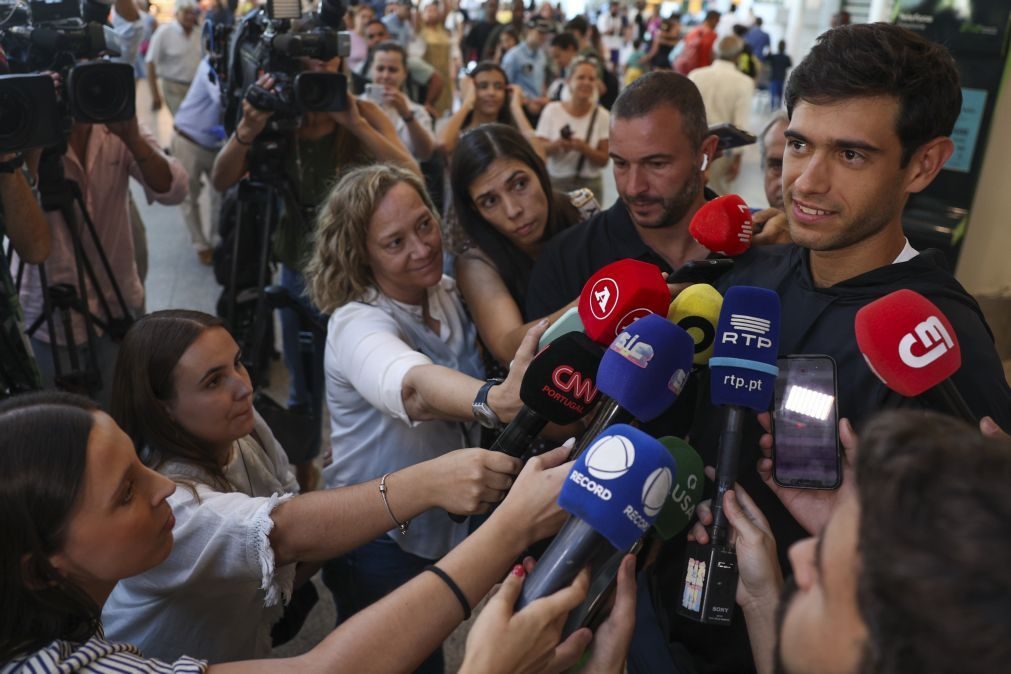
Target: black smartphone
[730,136]
[566,132]
[806,450]
[701,271]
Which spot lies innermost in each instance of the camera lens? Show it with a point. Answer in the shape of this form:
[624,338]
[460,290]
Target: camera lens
[98,96]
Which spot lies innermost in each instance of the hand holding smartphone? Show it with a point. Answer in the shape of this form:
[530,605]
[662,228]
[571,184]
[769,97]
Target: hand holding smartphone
[805,432]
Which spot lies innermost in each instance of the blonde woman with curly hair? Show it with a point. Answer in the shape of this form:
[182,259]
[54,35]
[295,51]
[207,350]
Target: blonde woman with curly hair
[404,379]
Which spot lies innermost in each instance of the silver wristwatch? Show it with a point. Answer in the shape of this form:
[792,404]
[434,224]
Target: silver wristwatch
[484,414]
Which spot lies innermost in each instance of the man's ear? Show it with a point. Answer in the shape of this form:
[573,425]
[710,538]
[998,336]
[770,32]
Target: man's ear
[709,149]
[927,162]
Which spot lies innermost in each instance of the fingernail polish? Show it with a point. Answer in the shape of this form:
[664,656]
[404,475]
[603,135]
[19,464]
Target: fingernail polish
[518,571]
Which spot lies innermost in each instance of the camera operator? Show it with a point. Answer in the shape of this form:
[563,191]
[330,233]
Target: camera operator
[856,599]
[324,144]
[23,223]
[100,159]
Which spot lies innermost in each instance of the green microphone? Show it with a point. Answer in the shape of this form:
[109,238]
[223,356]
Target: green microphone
[689,479]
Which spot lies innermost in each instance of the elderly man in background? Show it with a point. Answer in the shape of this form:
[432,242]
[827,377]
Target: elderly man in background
[727,95]
[173,57]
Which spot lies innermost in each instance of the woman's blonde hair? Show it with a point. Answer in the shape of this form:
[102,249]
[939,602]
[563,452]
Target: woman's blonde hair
[339,271]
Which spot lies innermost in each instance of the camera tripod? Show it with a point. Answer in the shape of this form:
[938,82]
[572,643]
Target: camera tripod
[58,194]
[263,195]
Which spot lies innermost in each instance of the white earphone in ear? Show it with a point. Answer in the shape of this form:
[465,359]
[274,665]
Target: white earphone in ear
[705,162]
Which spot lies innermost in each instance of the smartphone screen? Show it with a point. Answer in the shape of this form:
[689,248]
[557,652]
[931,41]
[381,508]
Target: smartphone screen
[806,424]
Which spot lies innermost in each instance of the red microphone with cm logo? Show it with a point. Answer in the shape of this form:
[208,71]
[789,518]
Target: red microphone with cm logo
[912,348]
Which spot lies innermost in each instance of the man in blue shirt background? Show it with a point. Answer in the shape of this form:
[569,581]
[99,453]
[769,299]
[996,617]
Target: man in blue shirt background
[526,65]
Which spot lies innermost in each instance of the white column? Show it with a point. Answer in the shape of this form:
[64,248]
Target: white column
[794,29]
[880,10]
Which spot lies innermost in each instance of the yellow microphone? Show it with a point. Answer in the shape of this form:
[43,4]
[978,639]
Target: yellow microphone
[696,309]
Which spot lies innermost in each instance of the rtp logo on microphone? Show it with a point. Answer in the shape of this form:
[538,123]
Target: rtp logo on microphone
[930,335]
[751,331]
[603,298]
[610,457]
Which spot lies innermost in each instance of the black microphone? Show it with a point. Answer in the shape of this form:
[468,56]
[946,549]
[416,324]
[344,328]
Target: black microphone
[558,387]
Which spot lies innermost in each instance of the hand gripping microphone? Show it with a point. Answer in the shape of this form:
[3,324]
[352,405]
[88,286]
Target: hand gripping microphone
[642,374]
[613,492]
[566,323]
[723,225]
[618,294]
[742,374]
[697,310]
[912,348]
[558,387]
[675,516]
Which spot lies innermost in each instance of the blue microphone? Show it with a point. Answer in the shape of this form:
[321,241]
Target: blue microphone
[742,375]
[614,492]
[742,372]
[642,374]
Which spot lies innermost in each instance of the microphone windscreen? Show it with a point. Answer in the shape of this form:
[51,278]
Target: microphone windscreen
[646,366]
[619,485]
[743,366]
[559,382]
[907,342]
[723,225]
[677,512]
[618,294]
[566,323]
[696,309]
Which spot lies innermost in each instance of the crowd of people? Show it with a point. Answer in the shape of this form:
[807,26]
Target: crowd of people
[432,231]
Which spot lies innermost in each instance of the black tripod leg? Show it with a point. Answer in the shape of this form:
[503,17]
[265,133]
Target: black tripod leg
[232,292]
[102,257]
[263,313]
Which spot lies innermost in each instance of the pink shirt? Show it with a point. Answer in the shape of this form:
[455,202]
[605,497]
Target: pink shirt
[104,181]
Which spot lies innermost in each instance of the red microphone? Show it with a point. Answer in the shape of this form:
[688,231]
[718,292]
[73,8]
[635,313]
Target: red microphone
[912,348]
[723,225]
[619,294]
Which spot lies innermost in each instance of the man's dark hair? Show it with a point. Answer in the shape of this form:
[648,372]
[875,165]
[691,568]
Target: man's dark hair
[564,41]
[578,24]
[375,21]
[935,546]
[880,59]
[712,15]
[665,87]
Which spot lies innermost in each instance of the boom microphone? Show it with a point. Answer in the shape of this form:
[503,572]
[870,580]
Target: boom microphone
[641,373]
[697,310]
[723,225]
[742,374]
[619,294]
[912,348]
[613,492]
